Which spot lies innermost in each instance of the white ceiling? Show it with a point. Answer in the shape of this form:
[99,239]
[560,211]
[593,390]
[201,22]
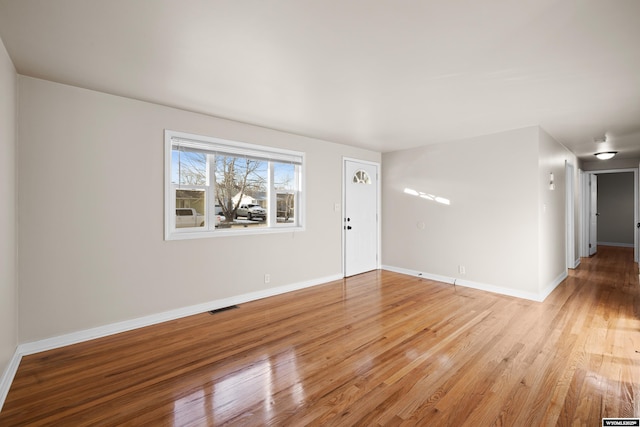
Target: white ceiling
[380,74]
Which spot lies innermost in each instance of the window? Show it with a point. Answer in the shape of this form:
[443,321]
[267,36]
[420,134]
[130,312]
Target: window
[361,177]
[219,187]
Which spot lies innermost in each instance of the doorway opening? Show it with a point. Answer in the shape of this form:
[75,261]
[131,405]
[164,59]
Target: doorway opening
[592,203]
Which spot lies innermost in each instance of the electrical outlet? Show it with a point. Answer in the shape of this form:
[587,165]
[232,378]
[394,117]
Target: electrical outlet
[462,269]
[267,278]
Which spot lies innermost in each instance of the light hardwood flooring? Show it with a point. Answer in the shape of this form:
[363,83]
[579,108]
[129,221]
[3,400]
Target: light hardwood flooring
[380,348]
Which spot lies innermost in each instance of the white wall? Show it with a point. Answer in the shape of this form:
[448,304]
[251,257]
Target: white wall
[504,225]
[91,248]
[491,225]
[8,200]
[552,157]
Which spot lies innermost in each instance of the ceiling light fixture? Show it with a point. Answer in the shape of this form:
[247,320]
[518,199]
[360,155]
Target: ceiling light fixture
[606,155]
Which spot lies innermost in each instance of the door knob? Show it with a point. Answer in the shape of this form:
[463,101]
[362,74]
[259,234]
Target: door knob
[348,227]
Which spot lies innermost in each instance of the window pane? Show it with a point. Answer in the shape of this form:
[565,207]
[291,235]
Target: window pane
[188,168]
[241,190]
[285,184]
[190,208]
[361,177]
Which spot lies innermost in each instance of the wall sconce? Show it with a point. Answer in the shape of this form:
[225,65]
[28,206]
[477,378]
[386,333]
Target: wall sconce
[552,186]
[606,155]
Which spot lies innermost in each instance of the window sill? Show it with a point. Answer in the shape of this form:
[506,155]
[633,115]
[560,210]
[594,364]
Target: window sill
[226,232]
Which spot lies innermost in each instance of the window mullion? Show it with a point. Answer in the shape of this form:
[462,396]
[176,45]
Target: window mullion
[210,192]
[272,212]
[297,195]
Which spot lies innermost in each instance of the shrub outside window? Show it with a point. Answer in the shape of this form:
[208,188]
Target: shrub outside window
[218,187]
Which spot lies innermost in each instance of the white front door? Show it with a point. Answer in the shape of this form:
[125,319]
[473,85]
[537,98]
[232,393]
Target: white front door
[593,215]
[361,217]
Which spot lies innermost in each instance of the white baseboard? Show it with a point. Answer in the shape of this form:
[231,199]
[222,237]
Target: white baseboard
[533,296]
[127,325]
[8,375]
[576,263]
[551,286]
[421,274]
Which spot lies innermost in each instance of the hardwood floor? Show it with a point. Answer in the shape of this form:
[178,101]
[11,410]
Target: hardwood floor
[376,349]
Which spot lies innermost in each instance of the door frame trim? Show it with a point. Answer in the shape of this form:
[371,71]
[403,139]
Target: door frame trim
[378,211]
[570,186]
[586,207]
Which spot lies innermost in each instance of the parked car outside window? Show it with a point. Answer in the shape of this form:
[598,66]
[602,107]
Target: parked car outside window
[188,217]
[251,211]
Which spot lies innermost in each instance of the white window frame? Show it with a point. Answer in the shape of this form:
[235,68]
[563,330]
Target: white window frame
[228,147]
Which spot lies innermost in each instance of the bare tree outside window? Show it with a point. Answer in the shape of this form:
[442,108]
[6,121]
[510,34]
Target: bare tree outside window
[235,178]
[191,168]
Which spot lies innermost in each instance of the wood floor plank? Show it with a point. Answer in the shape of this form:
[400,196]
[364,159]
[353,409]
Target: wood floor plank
[380,348]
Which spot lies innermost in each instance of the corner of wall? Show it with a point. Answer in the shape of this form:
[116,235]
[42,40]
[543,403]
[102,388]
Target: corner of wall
[7,376]
[552,157]
[8,223]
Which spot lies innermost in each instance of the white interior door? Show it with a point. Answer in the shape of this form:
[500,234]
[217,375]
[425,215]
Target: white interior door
[593,214]
[361,217]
